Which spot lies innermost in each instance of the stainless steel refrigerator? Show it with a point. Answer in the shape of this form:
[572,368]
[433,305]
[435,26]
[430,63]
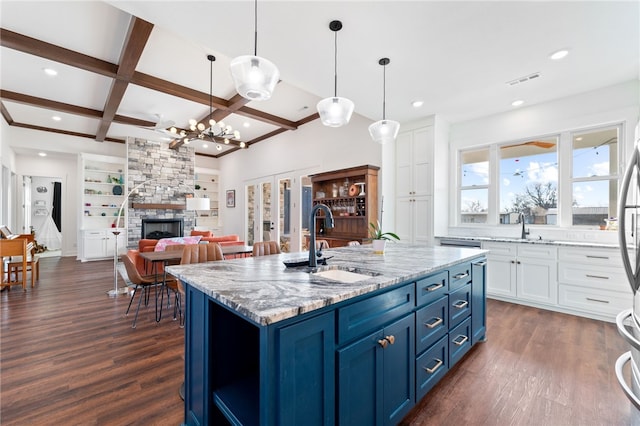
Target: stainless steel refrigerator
[628,321]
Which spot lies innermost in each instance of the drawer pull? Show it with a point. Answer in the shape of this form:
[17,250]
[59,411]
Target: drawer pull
[480,263]
[461,304]
[597,257]
[461,275]
[434,287]
[460,340]
[391,339]
[433,369]
[597,276]
[436,322]
[597,300]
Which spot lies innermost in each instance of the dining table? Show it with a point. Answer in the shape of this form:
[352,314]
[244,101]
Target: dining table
[231,252]
[164,257]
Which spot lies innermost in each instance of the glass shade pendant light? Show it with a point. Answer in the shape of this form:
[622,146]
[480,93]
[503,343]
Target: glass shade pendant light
[335,111]
[384,131]
[254,77]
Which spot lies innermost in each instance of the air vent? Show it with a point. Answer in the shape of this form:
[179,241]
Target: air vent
[524,79]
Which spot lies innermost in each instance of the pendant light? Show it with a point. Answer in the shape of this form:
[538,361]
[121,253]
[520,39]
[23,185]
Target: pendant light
[335,111]
[384,131]
[254,77]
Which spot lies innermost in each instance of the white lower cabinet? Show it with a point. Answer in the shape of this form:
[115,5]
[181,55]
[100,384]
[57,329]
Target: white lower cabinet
[593,281]
[100,244]
[582,281]
[522,271]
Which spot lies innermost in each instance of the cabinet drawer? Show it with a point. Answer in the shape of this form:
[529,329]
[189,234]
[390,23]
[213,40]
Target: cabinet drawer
[594,276]
[601,257]
[432,322]
[432,287]
[357,319]
[431,366]
[459,341]
[602,302]
[459,305]
[540,251]
[501,249]
[459,275]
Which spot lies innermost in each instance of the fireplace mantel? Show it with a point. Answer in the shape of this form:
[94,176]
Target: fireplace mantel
[159,206]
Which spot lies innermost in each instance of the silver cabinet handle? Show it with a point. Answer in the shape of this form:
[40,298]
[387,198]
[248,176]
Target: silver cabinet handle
[460,340]
[597,300]
[433,369]
[460,304]
[597,276]
[434,287]
[436,322]
[597,257]
[480,263]
[460,276]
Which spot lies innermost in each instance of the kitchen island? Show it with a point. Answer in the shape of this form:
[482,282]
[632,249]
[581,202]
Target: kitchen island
[271,345]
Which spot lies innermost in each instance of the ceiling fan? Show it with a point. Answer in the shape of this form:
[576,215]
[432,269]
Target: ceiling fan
[539,144]
[162,127]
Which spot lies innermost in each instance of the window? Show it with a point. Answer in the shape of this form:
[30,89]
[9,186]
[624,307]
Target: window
[567,179]
[595,176]
[474,186]
[529,181]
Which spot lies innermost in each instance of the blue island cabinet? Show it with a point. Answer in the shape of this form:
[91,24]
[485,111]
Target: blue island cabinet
[362,361]
[238,372]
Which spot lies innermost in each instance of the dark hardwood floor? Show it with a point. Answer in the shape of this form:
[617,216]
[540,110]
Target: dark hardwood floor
[69,356]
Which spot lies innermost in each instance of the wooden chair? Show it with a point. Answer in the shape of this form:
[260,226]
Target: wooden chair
[322,244]
[265,248]
[14,266]
[14,247]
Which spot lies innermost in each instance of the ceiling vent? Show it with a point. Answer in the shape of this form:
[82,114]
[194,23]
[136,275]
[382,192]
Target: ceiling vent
[524,79]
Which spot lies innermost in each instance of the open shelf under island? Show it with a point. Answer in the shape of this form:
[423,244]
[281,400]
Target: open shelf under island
[360,344]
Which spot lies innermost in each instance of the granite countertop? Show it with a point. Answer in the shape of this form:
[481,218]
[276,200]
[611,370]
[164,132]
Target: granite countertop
[565,243]
[263,290]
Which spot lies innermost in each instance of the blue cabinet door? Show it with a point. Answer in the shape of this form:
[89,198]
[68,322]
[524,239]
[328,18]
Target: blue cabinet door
[377,376]
[196,405]
[478,301]
[306,372]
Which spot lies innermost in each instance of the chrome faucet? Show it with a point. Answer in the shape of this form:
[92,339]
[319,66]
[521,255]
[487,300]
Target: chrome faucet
[524,233]
[328,223]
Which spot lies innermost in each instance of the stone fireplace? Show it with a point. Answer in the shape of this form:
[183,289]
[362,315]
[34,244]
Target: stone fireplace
[163,178]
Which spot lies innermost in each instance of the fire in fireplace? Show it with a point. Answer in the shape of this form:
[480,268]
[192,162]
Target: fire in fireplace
[154,229]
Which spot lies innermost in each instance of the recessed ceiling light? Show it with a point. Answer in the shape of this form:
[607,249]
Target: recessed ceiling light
[246,124]
[42,154]
[50,71]
[56,118]
[517,103]
[579,138]
[204,145]
[417,104]
[559,54]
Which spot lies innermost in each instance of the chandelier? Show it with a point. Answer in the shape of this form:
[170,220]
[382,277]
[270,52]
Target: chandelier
[216,132]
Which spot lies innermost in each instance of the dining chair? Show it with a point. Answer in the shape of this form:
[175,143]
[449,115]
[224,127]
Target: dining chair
[322,244]
[192,253]
[9,248]
[353,243]
[142,282]
[266,248]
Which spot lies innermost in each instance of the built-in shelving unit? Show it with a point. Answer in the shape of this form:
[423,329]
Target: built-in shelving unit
[102,191]
[352,196]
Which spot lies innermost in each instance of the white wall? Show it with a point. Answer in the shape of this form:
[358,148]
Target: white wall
[615,104]
[313,146]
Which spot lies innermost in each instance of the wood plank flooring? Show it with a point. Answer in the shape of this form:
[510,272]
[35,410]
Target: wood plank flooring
[68,355]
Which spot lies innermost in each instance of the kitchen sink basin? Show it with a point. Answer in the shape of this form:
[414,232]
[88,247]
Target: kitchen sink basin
[343,274]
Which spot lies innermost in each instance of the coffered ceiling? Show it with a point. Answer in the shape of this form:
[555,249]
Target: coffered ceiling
[124,66]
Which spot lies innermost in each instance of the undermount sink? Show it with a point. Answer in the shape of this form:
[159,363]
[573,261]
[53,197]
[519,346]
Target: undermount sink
[343,274]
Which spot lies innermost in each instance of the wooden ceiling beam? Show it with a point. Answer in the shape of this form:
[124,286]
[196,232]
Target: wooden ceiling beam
[134,44]
[55,53]
[5,114]
[164,86]
[63,132]
[49,104]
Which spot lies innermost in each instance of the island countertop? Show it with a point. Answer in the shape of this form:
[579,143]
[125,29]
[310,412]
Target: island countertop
[265,291]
